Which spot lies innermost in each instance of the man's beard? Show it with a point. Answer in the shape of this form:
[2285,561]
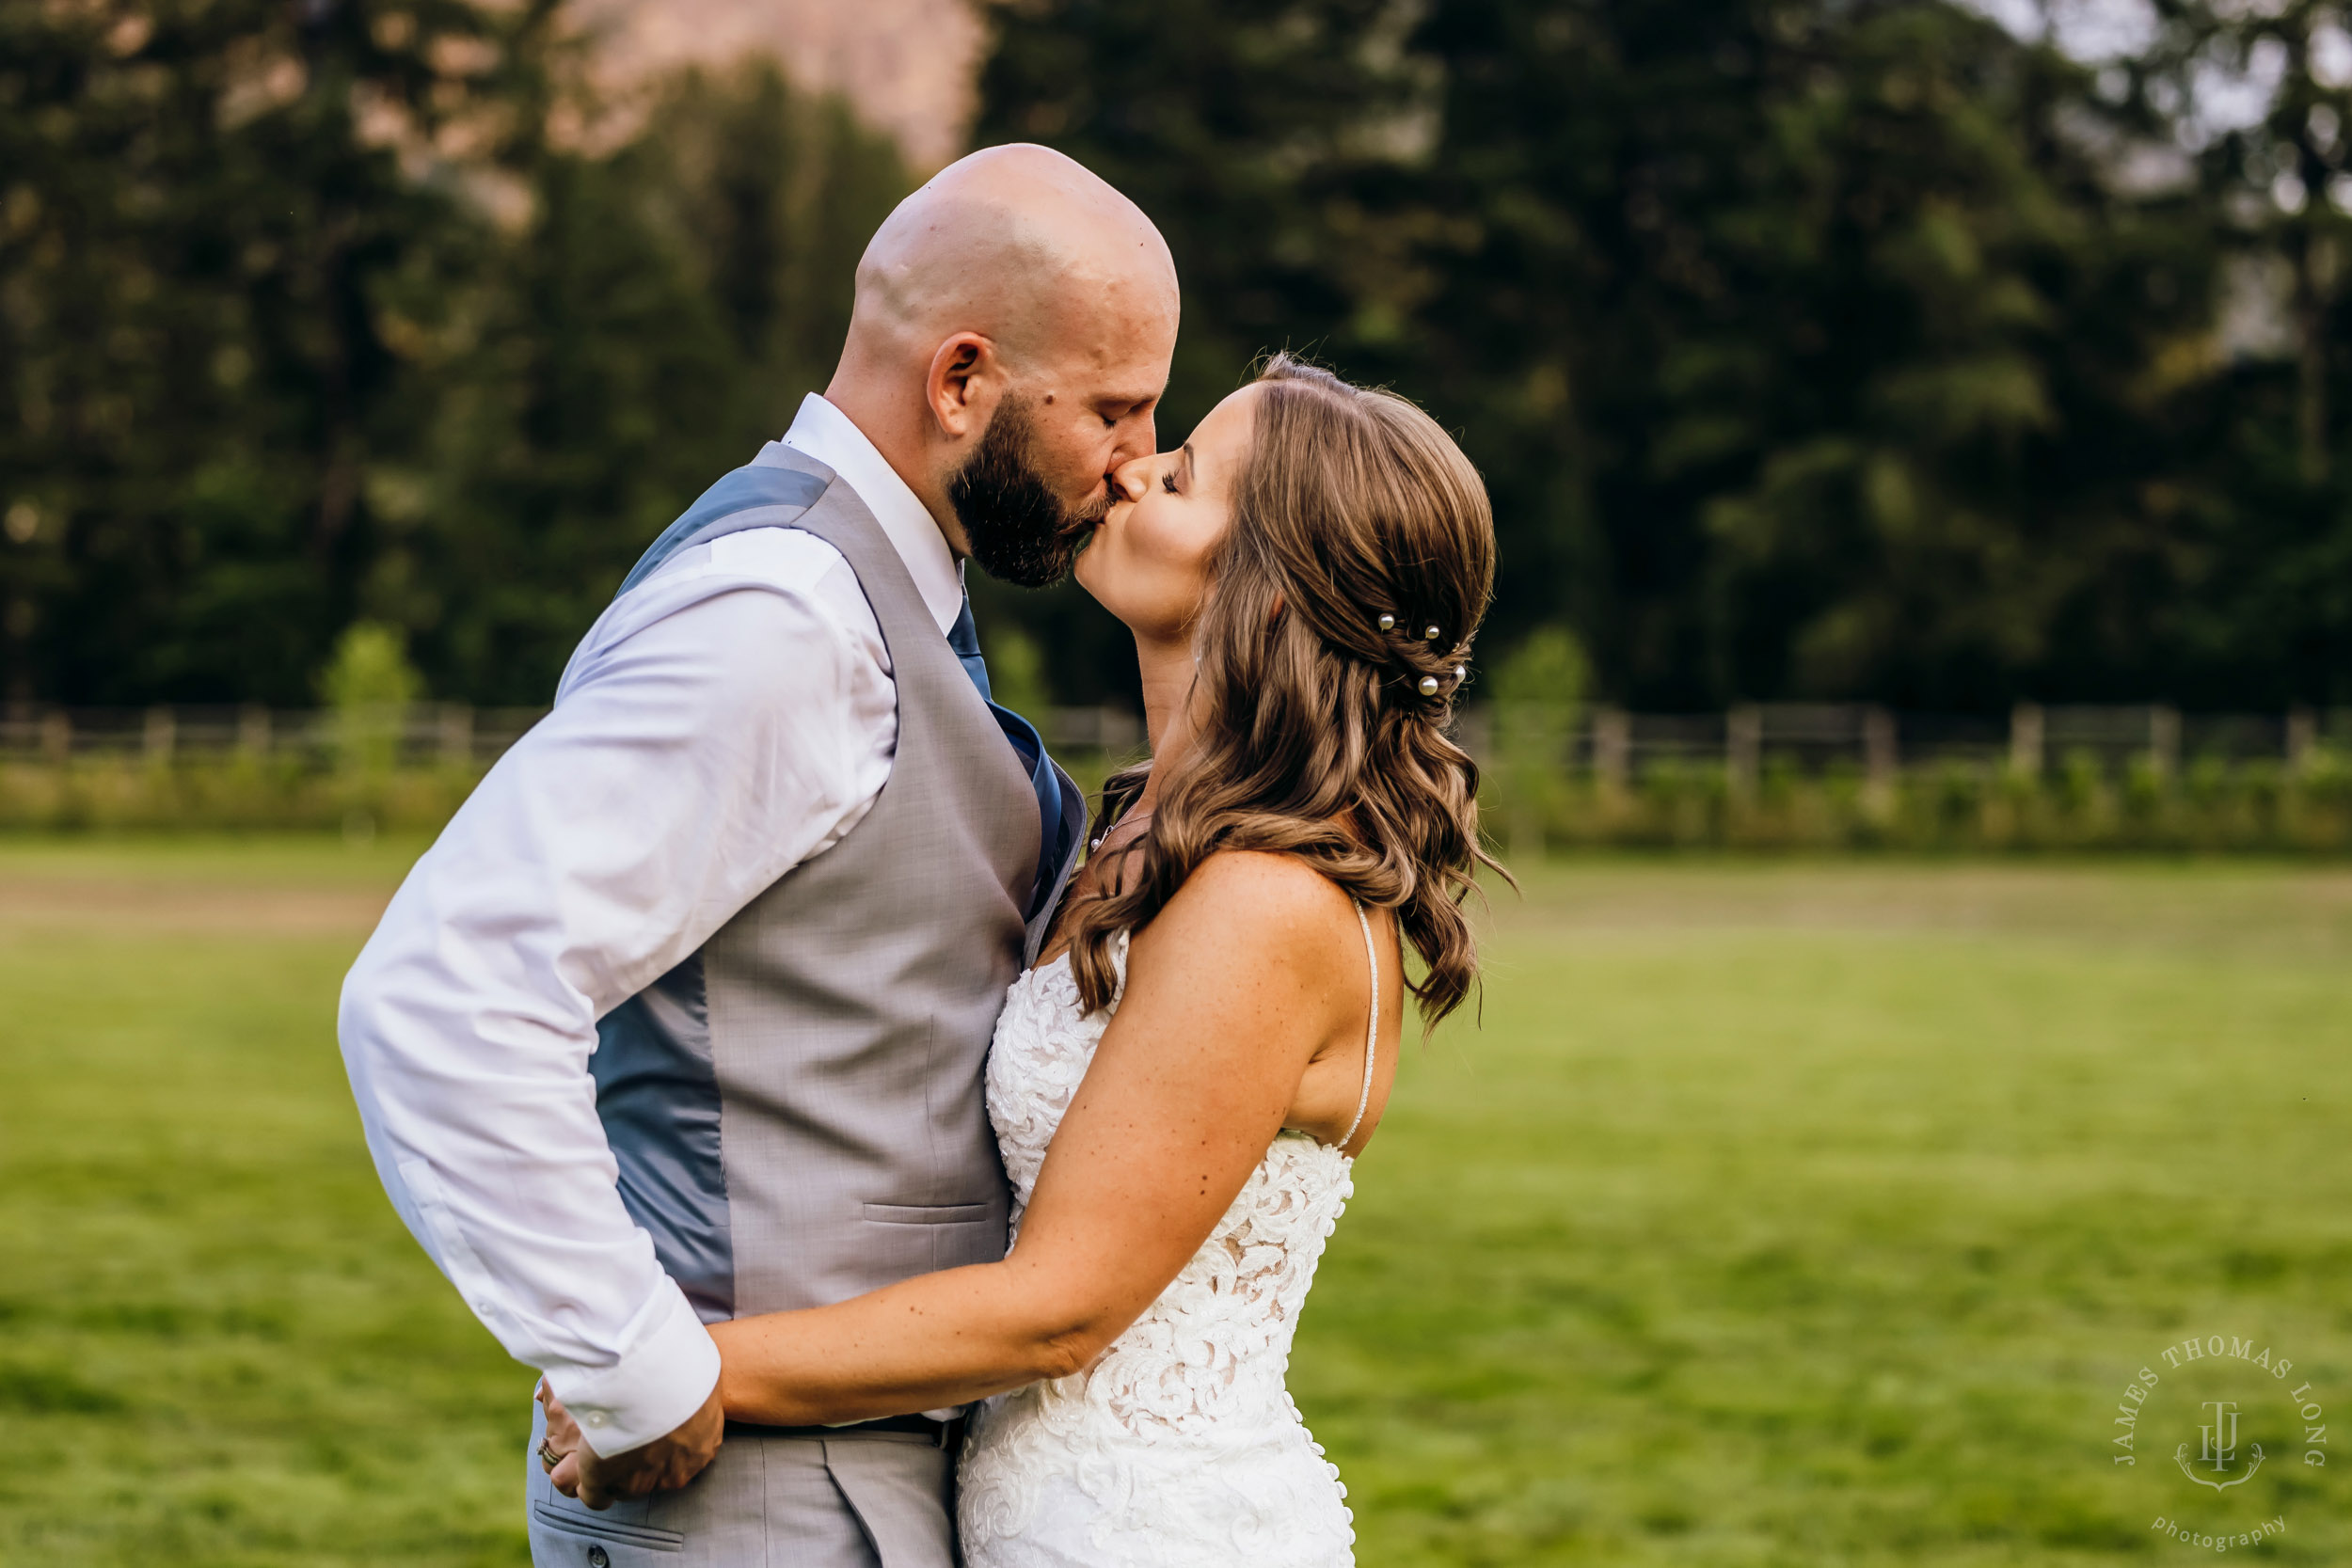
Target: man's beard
[1019,529]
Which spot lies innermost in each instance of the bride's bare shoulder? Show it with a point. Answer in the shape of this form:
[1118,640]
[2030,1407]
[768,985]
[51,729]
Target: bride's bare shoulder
[1255,904]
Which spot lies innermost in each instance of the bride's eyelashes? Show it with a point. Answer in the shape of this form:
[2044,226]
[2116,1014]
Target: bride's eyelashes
[1167,482]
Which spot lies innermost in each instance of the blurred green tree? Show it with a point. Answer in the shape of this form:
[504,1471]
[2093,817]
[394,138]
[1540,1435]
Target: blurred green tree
[662,314]
[2274,611]
[1853,349]
[369,684]
[1538,693]
[1016,671]
[202,207]
[309,315]
[1809,350]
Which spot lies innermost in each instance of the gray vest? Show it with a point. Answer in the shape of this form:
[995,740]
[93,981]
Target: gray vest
[798,1109]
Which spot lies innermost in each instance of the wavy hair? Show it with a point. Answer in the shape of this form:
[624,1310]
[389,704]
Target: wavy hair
[1332,644]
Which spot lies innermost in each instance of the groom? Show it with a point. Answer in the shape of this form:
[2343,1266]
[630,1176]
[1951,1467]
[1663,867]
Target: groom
[684,1016]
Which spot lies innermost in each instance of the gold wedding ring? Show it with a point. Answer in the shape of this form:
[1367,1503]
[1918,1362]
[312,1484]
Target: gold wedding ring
[549,1457]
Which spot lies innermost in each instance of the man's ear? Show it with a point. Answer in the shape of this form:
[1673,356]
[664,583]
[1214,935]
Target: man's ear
[965,382]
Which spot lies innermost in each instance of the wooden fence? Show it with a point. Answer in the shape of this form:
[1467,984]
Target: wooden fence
[1615,747]
[423,735]
[1605,743]
[1798,776]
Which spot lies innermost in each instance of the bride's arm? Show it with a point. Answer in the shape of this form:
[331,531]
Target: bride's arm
[1230,994]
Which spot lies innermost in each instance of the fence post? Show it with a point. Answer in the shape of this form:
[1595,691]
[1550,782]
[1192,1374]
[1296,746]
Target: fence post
[2026,732]
[1880,757]
[1612,750]
[2302,738]
[159,736]
[1744,749]
[456,736]
[57,737]
[2164,741]
[253,731]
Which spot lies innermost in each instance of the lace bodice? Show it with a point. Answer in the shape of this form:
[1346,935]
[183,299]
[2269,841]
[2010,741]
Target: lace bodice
[1181,1446]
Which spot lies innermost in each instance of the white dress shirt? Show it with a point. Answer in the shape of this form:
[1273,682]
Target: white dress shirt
[726,719]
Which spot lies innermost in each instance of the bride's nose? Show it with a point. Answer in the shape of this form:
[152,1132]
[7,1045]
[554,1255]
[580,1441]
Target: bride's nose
[1131,482]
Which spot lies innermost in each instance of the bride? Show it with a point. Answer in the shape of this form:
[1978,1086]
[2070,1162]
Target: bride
[1182,1085]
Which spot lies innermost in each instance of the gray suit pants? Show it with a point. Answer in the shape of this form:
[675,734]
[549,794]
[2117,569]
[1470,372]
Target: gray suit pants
[865,1500]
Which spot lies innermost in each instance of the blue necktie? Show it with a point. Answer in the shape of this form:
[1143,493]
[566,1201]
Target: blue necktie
[1059,818]
[964,638]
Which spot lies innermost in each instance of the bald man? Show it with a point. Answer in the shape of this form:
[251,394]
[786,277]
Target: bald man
[684,1016]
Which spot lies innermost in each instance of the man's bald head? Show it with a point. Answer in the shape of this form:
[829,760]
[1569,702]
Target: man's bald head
[1020,243]
[1011,336]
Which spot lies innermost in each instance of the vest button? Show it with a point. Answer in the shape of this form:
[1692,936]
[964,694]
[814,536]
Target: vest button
[597,1558]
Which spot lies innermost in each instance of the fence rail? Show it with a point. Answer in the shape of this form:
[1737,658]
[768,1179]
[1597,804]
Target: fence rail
[1787,775]
[431,735]
[1615,746]
[1606,742]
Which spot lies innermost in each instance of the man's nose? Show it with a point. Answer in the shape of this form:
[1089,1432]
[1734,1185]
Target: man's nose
[1139,441]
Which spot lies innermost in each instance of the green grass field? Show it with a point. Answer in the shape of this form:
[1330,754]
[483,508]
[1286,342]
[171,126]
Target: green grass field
[1779,1214]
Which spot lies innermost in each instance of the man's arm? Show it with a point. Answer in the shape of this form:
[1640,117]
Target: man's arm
[718,727]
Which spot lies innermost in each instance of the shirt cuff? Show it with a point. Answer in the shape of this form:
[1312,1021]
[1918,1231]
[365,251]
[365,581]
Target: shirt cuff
[664,1377]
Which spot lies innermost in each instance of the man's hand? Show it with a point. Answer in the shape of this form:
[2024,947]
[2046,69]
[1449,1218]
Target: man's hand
[562,1433]
[663,1465]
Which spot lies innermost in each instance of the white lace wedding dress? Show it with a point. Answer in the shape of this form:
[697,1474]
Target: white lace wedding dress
[1180,1447]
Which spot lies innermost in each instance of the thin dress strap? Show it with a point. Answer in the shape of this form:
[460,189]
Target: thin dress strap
[1372,1037]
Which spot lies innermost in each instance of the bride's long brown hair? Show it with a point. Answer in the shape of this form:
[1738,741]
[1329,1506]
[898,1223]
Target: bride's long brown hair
[1332,644]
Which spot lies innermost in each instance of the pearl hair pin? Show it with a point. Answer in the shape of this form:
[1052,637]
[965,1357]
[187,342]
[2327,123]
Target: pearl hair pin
[1429,634]
[1388,623]
[1430,686]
